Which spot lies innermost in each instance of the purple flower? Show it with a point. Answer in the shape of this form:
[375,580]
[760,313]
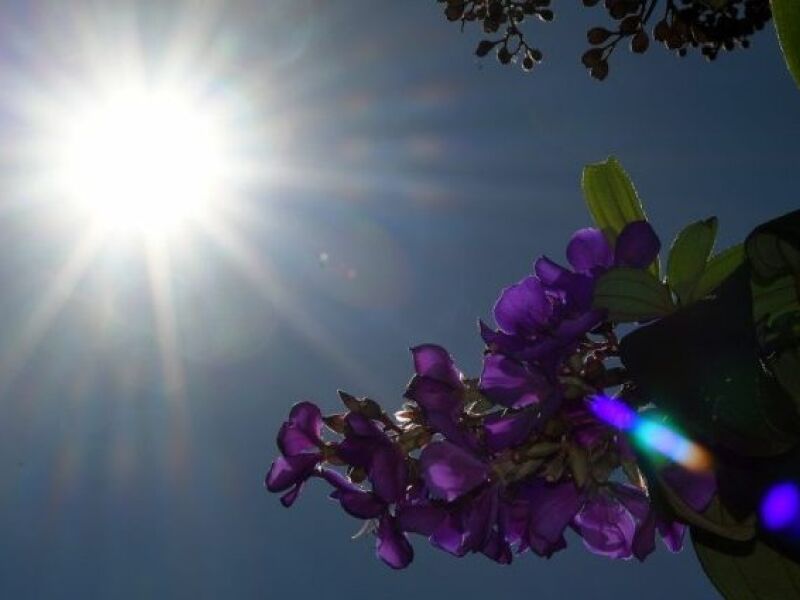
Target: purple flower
[299,440]
[588,251]
[696,488]
[505,431]
[291,472]
[439,391]
[524,309]
[546,510]
[637,246]
[543,315]
[392,545]
[512,474]
[302,432]
[450,471]
[512,384]
[606,525]
[366,445]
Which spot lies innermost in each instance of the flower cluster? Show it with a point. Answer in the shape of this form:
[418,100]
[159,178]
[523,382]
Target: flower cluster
[508,462]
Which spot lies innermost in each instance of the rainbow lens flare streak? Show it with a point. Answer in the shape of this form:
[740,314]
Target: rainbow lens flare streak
[650,434]
[780,507]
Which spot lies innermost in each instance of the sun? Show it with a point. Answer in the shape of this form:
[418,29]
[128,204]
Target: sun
[142,158]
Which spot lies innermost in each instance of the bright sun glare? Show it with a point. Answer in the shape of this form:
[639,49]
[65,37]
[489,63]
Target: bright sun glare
[142,159]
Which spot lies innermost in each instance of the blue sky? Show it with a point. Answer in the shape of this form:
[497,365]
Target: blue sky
[429,180]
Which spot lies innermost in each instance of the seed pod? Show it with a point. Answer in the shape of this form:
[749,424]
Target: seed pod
[640,42]
[554,470]
[357,474]
[600,70]
[542,449]
[335,423]
[579,464]
[454,12]
[546,15]
[504,56]
[528,62]
[485,47]
[597,35]
[371,409]
[661,31]
[350,401]
[592,58]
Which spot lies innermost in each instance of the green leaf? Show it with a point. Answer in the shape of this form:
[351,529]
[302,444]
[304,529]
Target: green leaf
[701,365]
[747,571]
[632,295]
[786,14]
[717,270]
[612,199]
[775,299]
[689,255]
[773,248]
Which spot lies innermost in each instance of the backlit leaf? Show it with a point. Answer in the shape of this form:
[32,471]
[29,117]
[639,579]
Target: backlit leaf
[717,270]
[786,14]
[612,199]
[632,295]
[689,255]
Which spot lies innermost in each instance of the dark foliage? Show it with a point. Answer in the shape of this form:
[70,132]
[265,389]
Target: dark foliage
[710,26]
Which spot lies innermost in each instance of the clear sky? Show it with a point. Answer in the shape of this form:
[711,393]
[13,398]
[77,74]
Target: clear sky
[400,184]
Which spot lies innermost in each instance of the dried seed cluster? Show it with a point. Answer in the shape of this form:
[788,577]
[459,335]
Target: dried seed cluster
[708,25]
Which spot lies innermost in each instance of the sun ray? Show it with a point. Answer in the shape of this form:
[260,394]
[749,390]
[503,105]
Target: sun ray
[158,269]
[50,305]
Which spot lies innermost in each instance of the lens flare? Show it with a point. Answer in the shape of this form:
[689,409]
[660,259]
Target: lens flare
[650,434]
[141,157]
[780,507]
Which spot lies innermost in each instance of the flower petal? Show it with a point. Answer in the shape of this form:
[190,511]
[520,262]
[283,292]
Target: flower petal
[449,535]
[393,546]
[551,507]
[287,471]
[589,249]
[523,308]
[435,362]
[434,395]
[451,472]
[500,342]
[422,519]
[672,534]
[360,504]
[509,383]
[606,526]
[550,273]
[291,496]
[507,431]
[303,430]
[497,549]
[637,245]
[363,426]
[388,473]
[644,540]
[479,519]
